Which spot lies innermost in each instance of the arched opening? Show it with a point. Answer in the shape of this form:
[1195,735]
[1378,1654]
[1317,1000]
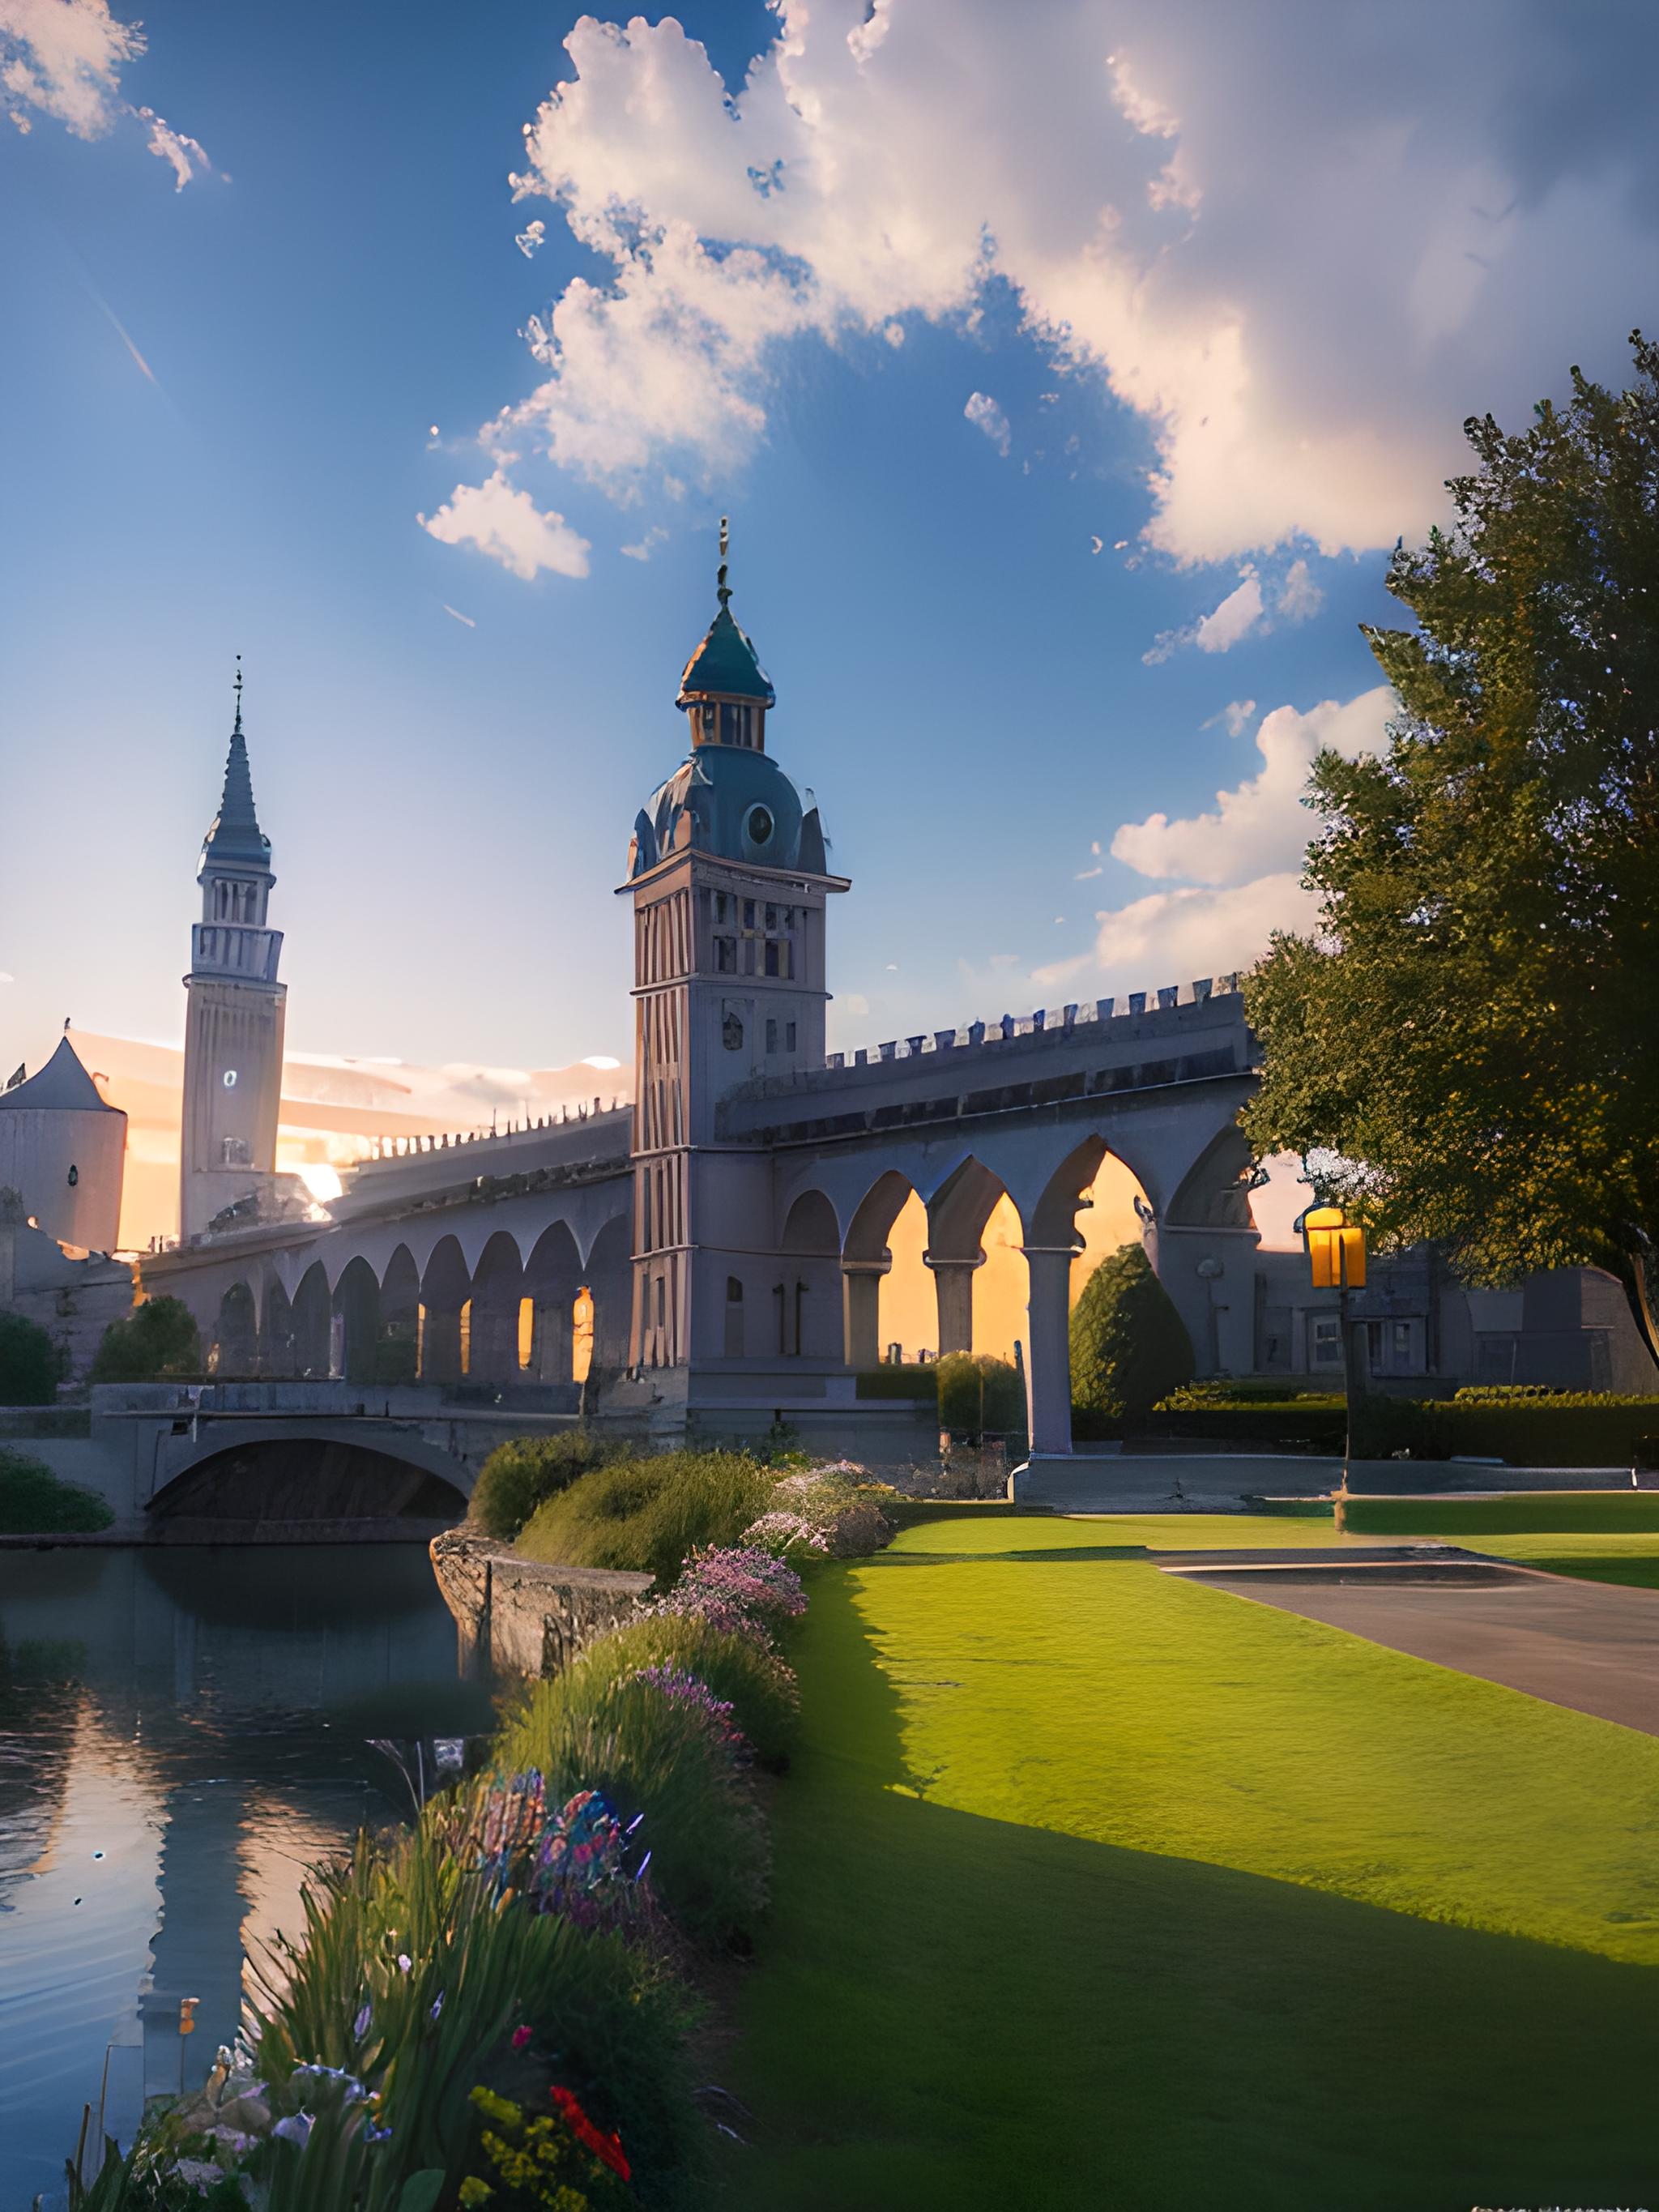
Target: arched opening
[1060,1254]
[357,1314]
[293,1488]
[552,1277]
[497,1288]
[608,1280]
[313,1315]
[277,1333]
[398,1355]
[885,1239]
[446,1287]
[809,1316]
[233,1353]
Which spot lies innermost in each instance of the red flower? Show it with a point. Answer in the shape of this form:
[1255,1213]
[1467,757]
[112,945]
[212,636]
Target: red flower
[520,2037]
[606,2149]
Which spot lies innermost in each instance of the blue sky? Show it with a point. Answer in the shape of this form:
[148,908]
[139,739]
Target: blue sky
[1012,283]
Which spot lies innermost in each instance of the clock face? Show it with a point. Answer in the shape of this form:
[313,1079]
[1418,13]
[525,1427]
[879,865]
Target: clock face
[228,1078]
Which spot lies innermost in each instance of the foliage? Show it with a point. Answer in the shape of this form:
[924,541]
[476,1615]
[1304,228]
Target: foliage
[1129,1345]
[155,1341]
[753,1682]
[31,1364]
[519,1474]
[1224,1390]
[560,2160]
[1468,1036]
[844,1513]
[911,1380]
[34,1501]
[979,1393]
[649,1514]
[649,1755]
[741,1590]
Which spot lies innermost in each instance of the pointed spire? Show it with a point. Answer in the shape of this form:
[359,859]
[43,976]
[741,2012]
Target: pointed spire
[235,836]
[725,665]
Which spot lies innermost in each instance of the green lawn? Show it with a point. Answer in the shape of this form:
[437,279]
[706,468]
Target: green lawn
[1606,1536]
[1096,1888]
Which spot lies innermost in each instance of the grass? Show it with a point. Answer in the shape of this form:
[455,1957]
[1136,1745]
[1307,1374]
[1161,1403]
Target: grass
[1096,1888]
[649,1514]
[1603,1536]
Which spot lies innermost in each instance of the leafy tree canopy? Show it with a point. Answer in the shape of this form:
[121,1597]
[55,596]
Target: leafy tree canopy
[156,1339]
[31,1364]
[1129,1345]
[1471,1029]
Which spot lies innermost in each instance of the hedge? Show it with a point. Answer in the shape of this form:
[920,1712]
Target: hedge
[1575,1430]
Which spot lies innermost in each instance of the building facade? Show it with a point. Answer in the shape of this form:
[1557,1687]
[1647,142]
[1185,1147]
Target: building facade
[63,1150]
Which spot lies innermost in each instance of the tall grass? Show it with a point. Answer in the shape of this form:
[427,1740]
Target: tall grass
[710,1859]
[759,1687]
[34,1501]
[648,1513]
[520,1473]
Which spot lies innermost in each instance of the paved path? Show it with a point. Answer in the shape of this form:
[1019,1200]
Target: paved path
[1594,1646]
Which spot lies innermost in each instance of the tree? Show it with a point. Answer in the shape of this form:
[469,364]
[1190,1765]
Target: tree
[31,1364]
[155,1340]
[1129,1345]
[979,1393]
[1470,1032]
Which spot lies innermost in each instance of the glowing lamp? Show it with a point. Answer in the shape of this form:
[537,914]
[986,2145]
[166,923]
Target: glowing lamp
[1336,1248]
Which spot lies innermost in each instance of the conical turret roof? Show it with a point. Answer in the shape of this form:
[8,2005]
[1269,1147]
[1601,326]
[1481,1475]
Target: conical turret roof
[235,837]
[725,665]
[61,1086]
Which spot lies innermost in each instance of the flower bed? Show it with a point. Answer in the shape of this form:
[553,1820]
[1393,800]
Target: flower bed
[492,2008]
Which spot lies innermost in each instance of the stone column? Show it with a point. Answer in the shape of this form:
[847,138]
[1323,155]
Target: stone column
[551,1360]
[953,1287]
[440,1345]
[861,1307]
[1048,1349]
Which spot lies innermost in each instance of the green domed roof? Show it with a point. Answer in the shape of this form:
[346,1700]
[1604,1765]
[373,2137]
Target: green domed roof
[725,664]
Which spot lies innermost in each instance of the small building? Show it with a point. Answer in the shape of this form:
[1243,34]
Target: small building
[63,1150]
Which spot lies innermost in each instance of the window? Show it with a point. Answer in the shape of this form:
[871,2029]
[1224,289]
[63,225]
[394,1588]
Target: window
[789,1036]
[773,948]
[662,1302]
[771,917]
[758,823]
[749,913]
[1324,1341]
[720,906]
[771,1036]
[725,956]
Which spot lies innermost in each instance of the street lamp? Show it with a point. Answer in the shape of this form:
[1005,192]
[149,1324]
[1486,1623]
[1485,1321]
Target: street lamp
[1336,1256]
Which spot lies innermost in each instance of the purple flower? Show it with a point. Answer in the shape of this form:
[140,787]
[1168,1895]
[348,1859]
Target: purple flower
[404,1962]
[360,2025]
[437,2004]
[296,2129]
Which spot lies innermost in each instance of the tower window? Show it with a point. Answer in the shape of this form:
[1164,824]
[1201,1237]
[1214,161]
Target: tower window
[771,1035]
[759,825]
[773,949]
[789,1036]
[725,956]
[749,913]
[771,917]
[720,906]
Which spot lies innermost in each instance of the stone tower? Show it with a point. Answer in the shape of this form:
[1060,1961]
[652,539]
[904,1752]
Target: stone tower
[729,880]
[235,1010]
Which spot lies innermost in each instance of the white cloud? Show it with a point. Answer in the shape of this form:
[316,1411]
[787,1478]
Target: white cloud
[459,616]
[1298,250]
[1171,935]
[63,59]
[984,412]
[1299,597]
[508,525]
[531,239]
[653,537]
[1261,826]
[1237,615]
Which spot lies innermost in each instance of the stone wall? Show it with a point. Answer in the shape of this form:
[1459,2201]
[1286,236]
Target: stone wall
[518,1617]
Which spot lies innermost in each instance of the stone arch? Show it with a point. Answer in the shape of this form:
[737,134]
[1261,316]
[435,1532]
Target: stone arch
[399,1348]
[234,1352]
[552,1277]
[808,1319]
[277,1332]
[957,1215]
[446,1291]
[313,1313]
[497,1288]
[356,1314]
[298,1485]
[866,1259]
[1215,1191]
[608,1276]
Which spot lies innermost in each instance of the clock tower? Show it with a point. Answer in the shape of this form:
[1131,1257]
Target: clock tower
[234,1011]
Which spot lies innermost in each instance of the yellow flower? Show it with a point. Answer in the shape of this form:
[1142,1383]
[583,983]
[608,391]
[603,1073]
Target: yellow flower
[474,2191]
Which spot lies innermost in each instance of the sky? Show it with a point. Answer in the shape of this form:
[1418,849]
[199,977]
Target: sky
[1067,373]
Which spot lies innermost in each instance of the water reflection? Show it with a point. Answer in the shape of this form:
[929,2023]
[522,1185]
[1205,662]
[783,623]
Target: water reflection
[182,1733]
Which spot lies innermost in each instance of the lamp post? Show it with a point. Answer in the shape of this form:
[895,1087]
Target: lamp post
[1336,1256]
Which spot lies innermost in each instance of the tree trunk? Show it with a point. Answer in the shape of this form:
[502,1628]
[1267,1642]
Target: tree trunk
[1639,1273]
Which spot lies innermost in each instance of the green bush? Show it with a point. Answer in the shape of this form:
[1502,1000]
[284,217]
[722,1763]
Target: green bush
[34,1501]
[1129,1345]
[519,1474]
[978,1393]
[653,1755]
[1309,1424]
[157,1340]
[912,1380]
[760,1688]
[1569,1431]
[1225,1390]
[647,1514]
[31,1364]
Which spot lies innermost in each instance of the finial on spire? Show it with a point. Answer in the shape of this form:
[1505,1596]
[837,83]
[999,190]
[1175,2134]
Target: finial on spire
[725,591]
[237,688]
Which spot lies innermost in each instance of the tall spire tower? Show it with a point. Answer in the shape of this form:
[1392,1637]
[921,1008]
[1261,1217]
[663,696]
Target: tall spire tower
[235,1009]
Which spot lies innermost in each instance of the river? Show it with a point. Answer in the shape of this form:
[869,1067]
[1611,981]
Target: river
[183,1732]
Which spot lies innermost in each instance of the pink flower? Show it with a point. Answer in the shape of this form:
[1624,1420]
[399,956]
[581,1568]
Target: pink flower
[520,2037]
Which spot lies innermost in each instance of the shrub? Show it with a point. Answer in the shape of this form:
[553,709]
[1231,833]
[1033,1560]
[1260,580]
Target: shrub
[759,1687]
[1129,1345]
[31,1364]
[741,1590]
[521,1475]
[155,1341]
[649,1514]
[650,1754]
[977,1393]
[34,1501]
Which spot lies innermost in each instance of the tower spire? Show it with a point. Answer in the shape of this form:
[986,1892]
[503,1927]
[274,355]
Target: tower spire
[723,589]
[235,835]
[237,688]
